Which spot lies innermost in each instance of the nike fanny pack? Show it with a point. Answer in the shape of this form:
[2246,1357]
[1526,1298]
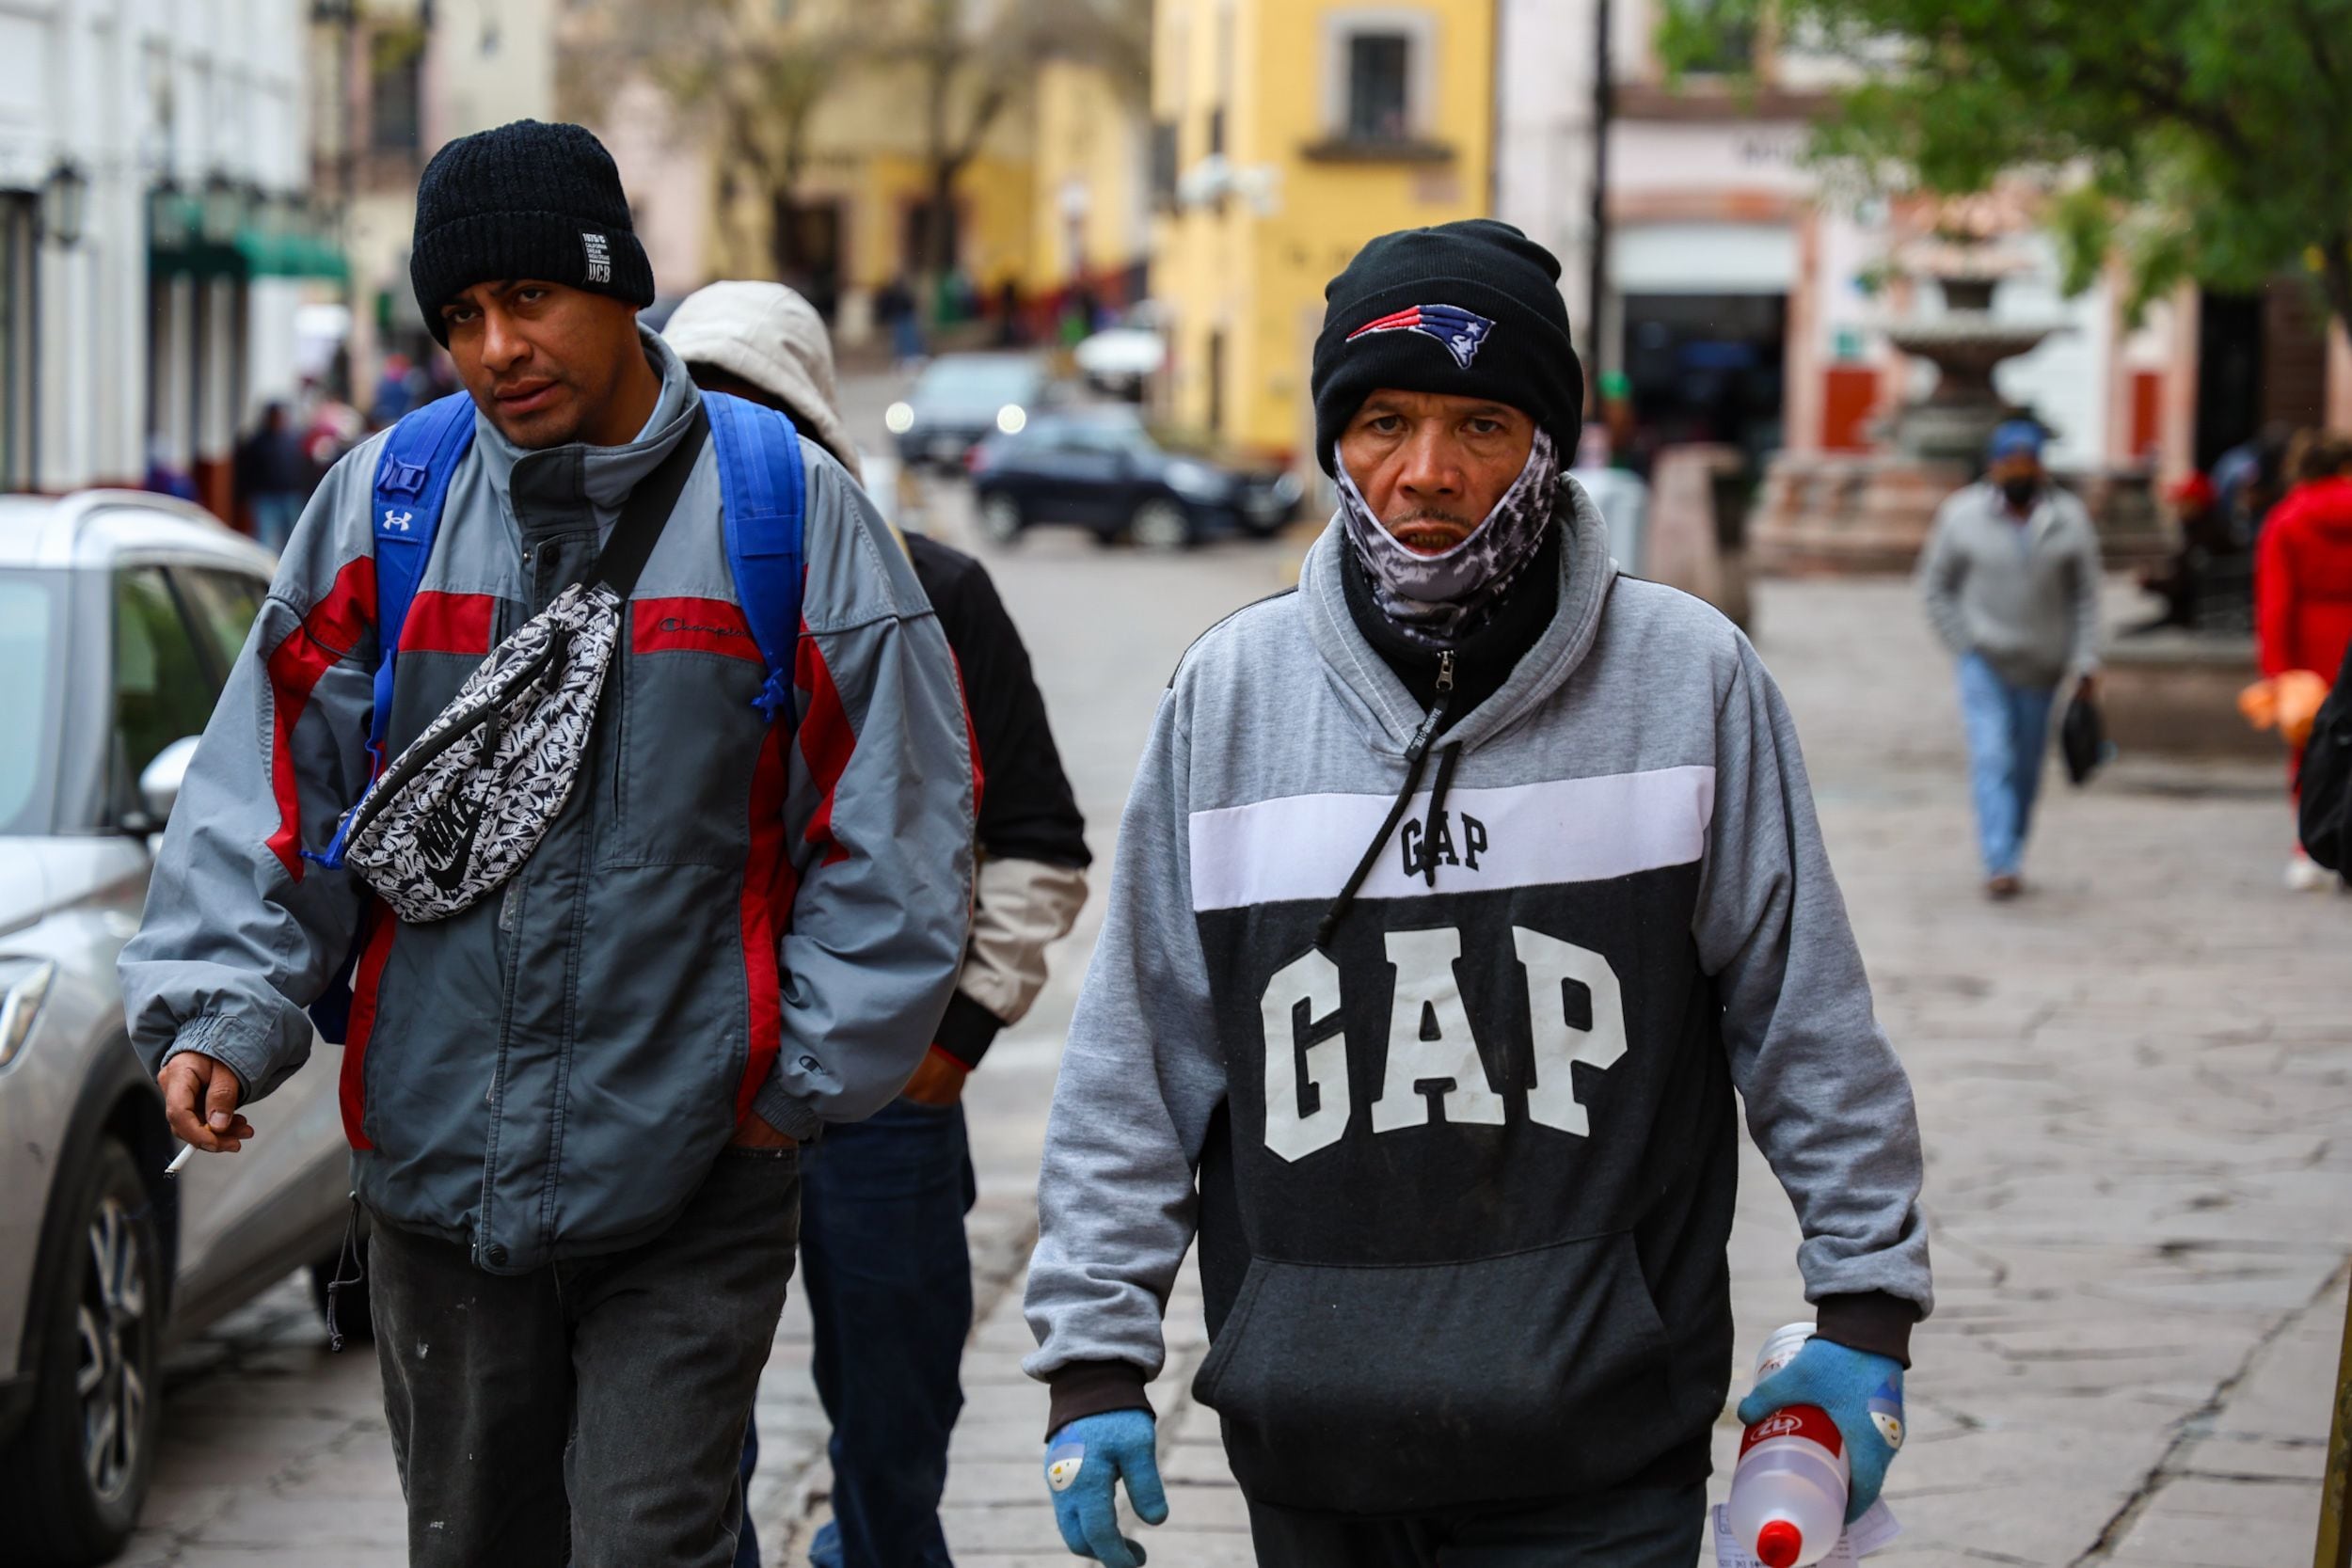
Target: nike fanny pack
[456,814]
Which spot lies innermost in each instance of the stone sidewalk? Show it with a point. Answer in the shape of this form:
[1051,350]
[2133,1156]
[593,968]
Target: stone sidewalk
[2136,1087]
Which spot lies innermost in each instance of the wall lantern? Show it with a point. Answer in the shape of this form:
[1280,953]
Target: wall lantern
[64,204]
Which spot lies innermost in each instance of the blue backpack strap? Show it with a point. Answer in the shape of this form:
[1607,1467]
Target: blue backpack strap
[762,489]
[412,475]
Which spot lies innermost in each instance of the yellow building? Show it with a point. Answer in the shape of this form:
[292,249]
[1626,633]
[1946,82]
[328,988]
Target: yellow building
[1287,132]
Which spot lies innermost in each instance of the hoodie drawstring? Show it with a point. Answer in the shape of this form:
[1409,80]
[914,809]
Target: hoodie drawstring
[1415,757]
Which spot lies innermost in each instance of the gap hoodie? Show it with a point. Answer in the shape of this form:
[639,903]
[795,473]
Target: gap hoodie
[1462,1172]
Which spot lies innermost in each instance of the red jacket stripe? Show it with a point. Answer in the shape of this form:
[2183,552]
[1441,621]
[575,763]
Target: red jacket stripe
[295,667]
[351,1088]
[826,741]
[761,909]
[449,623]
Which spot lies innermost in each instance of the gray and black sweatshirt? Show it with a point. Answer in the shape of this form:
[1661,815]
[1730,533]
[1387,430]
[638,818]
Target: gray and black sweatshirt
[1461,1162]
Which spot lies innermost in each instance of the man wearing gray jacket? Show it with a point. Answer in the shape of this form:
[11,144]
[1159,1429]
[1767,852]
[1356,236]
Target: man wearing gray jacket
[2011,575]
[574,1105]
[1458,893]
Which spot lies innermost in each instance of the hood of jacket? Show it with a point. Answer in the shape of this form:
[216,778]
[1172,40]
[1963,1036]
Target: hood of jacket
[772,338]
[1378,698]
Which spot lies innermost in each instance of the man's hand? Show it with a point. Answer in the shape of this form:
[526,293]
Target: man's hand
[200,1096]
[938,1081]
[1860,1392]
[1082,1460]
[752,1132]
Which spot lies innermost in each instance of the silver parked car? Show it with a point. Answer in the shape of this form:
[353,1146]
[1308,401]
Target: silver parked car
[120,615]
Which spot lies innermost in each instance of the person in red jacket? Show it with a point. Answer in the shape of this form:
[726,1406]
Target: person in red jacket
[2303,585]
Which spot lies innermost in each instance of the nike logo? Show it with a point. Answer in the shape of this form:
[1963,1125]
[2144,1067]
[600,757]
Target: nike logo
[446,838]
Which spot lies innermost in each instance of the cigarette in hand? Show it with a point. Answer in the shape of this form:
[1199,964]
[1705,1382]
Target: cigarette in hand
[180,1160]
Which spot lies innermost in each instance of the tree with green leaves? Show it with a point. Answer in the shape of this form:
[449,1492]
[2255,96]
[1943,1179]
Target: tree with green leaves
[2202,141]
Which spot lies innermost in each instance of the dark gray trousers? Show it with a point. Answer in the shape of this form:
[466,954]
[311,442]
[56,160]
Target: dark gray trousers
[1632,1528]
[591,1413]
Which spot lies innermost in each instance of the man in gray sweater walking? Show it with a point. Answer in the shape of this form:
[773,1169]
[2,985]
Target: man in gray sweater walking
[2011,579]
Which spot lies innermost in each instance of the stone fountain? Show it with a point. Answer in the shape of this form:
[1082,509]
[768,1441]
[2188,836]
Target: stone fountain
[1871,511]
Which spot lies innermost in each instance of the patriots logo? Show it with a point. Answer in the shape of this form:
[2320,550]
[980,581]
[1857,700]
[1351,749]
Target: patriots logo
[1461,332]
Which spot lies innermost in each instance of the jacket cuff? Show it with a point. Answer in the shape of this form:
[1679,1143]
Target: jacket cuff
[785,1111]
[1085,1388]
[228,1042]
[967,1030]
[1873,1322]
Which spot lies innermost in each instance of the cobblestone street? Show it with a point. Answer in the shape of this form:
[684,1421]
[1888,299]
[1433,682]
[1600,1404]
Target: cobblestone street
[2136,1087]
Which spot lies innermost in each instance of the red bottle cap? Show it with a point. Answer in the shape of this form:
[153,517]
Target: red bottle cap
[1778,1543]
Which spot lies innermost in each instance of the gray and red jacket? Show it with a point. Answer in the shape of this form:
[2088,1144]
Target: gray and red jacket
[724,916]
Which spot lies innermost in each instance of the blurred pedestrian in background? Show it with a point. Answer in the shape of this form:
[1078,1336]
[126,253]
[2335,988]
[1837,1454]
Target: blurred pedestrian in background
[2205,538]
[2303,589]
[2250,477]
[165,477]
[895,306]
[2010,575]
[273,477]
[883,1260]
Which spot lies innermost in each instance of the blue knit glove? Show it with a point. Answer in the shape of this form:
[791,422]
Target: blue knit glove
[1082,1460]
[1860,1392]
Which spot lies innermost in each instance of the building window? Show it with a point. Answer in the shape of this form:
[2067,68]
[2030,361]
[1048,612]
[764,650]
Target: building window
[1379,86]
[1163,161]
[395,91]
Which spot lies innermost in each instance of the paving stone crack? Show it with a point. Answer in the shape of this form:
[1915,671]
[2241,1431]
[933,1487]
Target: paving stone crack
[2194,1427]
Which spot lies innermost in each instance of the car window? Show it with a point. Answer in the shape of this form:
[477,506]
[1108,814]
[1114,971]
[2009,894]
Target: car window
[161,690]
[976,379]
[31,621]
[224,604]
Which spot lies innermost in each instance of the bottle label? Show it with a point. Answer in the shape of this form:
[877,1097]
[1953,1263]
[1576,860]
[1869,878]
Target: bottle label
[1809,1421]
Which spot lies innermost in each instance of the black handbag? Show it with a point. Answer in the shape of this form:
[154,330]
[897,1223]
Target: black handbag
[2326,784]
[2082,739]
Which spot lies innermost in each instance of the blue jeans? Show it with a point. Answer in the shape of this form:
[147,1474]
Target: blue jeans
[2008,731]
[888,1281]
[274,519]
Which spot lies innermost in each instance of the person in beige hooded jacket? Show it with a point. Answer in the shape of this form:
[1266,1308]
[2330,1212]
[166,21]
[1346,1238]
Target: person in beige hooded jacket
[882,1253]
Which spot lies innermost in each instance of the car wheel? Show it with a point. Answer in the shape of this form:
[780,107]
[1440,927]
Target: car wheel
[1160,524]
[355,1316]
[78,1472]
[1001,521]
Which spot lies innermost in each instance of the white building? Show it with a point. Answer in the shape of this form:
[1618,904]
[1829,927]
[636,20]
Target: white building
[153,162]
[1745,305]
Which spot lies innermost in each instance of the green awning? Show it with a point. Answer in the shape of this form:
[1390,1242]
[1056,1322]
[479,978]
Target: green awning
[291,253]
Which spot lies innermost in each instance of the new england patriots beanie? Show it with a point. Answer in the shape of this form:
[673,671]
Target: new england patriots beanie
[1469,309]
[528,199]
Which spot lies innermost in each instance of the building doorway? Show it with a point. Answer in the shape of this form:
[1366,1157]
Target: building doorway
[1706,368]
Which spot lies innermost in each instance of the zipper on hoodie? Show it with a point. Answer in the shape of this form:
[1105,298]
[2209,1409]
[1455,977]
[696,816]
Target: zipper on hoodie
[1445,672]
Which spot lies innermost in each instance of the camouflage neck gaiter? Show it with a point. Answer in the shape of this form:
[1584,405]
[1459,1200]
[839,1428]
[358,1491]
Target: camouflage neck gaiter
[1438,600]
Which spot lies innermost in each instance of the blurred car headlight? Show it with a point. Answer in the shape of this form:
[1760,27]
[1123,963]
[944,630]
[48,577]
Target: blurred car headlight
[24,987]
[1287,490]
[1012,419]
[1195,481]
[898,418]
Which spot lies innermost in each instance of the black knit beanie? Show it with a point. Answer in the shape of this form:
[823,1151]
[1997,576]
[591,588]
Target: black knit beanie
[1467,310]
[525,201]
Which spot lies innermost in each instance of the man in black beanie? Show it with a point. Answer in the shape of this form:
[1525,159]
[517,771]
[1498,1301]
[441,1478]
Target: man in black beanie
[1457,893]
[575,1104]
